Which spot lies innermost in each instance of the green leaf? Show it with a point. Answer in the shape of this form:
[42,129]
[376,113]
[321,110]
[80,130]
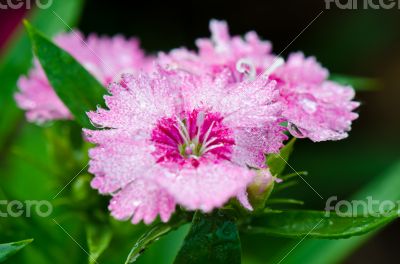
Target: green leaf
[213,238]
[153,234]
[9,249]
[293,175]
[358,83]
[98,239]
[277,162]
[146,240]
[289,180]
[75,86]
[284,185]
[385,187]
[317,224]
[32,160]
[17,57]
[284,201]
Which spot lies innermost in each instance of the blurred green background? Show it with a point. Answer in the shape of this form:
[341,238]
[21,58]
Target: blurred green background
[352,42]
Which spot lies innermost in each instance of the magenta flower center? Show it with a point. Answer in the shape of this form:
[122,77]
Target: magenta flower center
[191,137]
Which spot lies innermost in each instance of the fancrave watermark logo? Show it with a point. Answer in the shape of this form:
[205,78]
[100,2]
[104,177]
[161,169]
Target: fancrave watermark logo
[25,4]
[362,4]
[15,208]
[368,207]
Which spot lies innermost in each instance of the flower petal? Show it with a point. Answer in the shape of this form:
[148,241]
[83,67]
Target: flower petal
[142,200]
[208,186]
[118,159]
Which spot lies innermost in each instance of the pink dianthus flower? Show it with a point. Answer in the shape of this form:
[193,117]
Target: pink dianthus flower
[245,57]
[173,138]
[105,58]
[314,106]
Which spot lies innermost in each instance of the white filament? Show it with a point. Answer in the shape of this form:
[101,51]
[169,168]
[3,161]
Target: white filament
[206,144]
[183,131]
[275,65]
[199,124]
[247,67]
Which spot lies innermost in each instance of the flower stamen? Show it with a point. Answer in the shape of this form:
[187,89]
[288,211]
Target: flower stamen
[247,67]
[196,134]
[183,131]
[275,65]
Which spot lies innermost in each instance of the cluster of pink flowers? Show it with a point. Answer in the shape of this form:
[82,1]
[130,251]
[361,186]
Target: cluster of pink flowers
[313,106]
[105,58]
[193,127]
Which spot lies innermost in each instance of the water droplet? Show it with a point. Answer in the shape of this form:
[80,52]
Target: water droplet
[136,203]
[96,125]
[309,105]
[295,130]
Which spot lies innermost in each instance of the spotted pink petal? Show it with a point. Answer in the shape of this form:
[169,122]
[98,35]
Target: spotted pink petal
[301,71]
[208,186]
[253,143]
[321,113]
[314,107]
[118,159]
[38,98]
[136,103]
[142,200]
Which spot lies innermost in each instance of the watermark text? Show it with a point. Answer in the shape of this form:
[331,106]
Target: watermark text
[362,4]
[27,208]
[25,4]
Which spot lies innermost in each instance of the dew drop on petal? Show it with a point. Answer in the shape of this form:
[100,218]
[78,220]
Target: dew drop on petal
[309,105]
[136,203]
[295,131]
